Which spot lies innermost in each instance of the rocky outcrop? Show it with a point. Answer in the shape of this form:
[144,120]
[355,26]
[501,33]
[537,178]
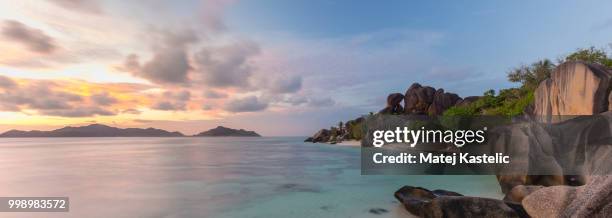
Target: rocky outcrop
[442,101]
[441,203]
[548,162]
[427,100]
[418,98]
[322,135]
[532,157]
[574,88]
[394,104]
[590,155]
[333,135]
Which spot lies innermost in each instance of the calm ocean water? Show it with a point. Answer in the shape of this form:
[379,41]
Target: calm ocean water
[207,177]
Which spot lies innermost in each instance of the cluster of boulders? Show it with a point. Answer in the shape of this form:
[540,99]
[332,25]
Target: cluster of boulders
[570,155]
[423,100]
[575,176]
[419,100]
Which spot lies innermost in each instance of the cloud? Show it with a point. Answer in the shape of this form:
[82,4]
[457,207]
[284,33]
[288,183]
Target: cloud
[55,97]
[103,99]
[207,107]
[296,100]
[49,104]
[89,6]
[226,66]
[321,102]
[38,96]
[35,39]
[131,111]
[79,112]
[6,82]
[452,74]
[247,104]
[211,14]
[181,96]
[173,101]
[214,94]
[284,84]
[170,62]
[598,26]
[169,106]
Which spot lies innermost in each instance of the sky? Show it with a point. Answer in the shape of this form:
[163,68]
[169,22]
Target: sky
[281,68]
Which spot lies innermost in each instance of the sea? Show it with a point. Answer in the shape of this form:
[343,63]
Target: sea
[208,177]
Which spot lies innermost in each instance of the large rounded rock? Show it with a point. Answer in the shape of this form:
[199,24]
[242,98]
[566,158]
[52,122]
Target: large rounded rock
[418,98]
[531,148]
[462,206]
[441,102]
[593,199]
[591,154]
[574,88]
[441,203]
[394,104]
[427,100]
[549,201]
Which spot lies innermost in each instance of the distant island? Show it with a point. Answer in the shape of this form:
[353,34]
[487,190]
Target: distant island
[224,131]
[99,130]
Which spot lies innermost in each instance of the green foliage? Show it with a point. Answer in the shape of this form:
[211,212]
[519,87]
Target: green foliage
[333,132]
[512,106]
[509,102]
[590,55]
[356,130]
[530,76]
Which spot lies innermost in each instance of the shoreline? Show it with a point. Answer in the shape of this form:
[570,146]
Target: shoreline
[351,143]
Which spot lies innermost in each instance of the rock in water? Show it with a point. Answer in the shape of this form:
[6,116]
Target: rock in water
[378,211]
[463,206]
[321,136]
[441,203]
[574,88]
[393,104]
[414,199]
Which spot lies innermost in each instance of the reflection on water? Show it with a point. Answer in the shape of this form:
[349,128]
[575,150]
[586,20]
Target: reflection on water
[206,177]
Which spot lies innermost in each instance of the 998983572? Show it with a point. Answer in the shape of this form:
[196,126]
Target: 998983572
[34,204]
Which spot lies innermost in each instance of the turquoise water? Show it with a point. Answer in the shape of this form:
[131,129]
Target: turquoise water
[207,177]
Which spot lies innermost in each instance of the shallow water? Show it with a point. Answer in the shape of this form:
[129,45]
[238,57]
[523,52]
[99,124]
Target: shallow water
[207,177]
